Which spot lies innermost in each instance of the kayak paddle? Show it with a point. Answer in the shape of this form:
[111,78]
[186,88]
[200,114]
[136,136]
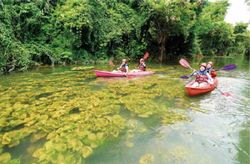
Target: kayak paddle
[228,67]
[185,64]
[146,56]
[184,77]
[227,94]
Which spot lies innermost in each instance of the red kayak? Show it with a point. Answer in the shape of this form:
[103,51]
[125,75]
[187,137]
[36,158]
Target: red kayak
[193,91]
[99,73]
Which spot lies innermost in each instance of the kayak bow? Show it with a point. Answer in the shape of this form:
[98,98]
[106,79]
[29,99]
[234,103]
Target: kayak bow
[194,91]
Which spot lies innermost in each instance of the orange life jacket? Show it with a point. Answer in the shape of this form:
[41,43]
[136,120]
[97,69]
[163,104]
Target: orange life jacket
[213,73]
[201,78]
[142,67]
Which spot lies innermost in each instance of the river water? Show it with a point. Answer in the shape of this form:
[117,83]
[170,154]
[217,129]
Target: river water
[55,115]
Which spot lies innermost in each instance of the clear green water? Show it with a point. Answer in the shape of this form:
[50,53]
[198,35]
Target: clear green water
[55,115]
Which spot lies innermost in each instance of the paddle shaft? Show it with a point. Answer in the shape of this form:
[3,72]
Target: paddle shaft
[223,93]
[228,67]
[219,90]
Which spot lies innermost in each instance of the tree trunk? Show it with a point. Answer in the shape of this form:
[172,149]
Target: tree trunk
[162,49]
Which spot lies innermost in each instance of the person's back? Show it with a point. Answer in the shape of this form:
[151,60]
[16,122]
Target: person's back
[124,66]
[142,65]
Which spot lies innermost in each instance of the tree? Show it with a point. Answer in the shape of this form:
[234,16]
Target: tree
[168,18]
[100,25]
[242,39]
[240,28]
[215,36]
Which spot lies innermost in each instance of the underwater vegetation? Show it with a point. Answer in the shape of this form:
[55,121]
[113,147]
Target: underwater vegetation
[82,68]
[62,117]
[147,159]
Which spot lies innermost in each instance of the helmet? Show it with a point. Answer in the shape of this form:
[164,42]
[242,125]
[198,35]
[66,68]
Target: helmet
[203,64]
[211,63]
[141,60]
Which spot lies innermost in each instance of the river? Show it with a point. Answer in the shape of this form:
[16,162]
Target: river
[56,115]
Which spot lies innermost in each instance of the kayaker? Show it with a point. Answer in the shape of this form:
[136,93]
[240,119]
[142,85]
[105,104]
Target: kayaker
[211,70]
[209,67]
[142,65]
[202,76]
[124,66]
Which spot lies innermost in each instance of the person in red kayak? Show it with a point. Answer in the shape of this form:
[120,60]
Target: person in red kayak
[211,70]
[142,65]
[202,76]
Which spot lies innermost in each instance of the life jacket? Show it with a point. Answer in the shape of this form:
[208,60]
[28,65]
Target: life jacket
[142,66]
[213,73]
[209,70]
[202,72]
[201,76]
[123,67]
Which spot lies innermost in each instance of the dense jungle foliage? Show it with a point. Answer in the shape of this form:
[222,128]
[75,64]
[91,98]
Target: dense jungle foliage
[34,32]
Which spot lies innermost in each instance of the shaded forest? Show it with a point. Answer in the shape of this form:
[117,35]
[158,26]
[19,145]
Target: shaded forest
[34,32]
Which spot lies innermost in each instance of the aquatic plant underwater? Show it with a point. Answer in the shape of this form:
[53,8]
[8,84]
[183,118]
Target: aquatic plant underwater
[64,116]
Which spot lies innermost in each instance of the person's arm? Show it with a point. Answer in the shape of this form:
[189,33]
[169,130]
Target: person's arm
[210,79]
[126,69]
[120,67]
[193,74]
[126,73]
[139,65]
